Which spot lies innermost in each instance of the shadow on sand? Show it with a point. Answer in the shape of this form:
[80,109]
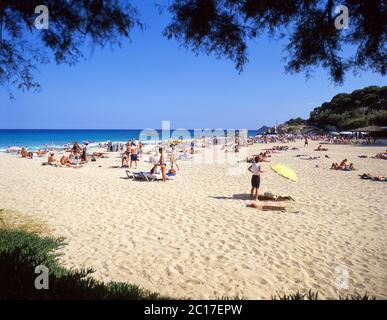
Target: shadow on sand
[237,196]
[247,196]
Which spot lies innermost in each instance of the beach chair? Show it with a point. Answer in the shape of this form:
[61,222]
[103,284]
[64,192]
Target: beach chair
[184,158]
[129,174]
[138,176]
[147,176]
[150,177]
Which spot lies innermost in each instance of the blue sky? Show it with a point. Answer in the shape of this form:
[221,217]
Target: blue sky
[151,79]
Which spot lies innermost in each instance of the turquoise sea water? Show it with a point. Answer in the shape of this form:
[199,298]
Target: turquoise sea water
[35,139]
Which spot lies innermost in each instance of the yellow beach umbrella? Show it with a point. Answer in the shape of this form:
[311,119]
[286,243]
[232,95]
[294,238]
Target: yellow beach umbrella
[285,171]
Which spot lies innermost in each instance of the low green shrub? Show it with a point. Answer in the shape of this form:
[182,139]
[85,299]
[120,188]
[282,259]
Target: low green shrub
[22,251]
[313,295]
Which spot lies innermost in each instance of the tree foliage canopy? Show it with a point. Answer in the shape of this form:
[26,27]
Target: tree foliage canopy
[220,27]
[224,27]
[72,23]
[295,121]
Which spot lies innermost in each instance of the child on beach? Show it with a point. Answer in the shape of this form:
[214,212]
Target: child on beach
[124,161]
[51,159]
[84,154]
[256,170]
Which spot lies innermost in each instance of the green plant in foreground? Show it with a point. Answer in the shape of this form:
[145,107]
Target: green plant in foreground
[21,252]
[313,295]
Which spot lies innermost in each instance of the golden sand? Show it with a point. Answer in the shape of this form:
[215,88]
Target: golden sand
[196,237]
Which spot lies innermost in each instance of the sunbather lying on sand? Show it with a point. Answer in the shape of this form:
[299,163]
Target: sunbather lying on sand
[41,153]
[320,148]
[280,148]
[98,155]
[262,156]
[267,208]
[272,197]
[381,155]
[343,166]
[367,176]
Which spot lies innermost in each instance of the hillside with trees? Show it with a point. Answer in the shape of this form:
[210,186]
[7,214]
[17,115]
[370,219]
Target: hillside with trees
[363,107]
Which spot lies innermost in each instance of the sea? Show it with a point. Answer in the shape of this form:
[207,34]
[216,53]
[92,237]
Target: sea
[56,139]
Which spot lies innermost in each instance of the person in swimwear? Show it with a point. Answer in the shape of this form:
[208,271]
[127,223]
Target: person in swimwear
[162,165]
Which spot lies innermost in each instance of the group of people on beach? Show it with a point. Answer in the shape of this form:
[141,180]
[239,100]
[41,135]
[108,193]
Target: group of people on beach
[76,158]
[132,153]
[25,153]
[133,150]
[256,167]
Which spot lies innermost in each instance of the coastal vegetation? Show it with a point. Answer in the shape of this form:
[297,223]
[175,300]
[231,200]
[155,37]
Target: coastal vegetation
[345,111]
[363,107]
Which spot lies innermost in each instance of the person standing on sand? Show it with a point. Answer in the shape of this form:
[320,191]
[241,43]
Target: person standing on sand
[84,154]
[173,158]
[256,170]
[162,165]
[140,146]
[306,141]
[133,155]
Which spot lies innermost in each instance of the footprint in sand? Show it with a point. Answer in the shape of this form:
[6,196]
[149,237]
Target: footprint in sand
[179,269]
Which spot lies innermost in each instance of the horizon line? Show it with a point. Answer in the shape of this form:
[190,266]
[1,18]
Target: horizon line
[2,129]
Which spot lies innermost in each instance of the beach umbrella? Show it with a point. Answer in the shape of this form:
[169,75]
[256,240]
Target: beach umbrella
[284,171]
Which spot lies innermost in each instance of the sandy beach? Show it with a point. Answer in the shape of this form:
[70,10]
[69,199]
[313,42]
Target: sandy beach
[196,237]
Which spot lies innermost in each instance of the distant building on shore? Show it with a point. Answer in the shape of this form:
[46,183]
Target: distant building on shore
[374,132]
